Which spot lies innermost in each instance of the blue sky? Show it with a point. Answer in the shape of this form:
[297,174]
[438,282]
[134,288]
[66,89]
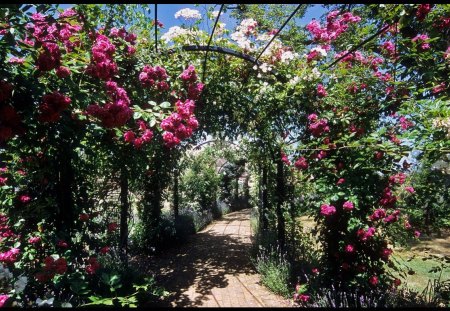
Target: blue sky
[166,14]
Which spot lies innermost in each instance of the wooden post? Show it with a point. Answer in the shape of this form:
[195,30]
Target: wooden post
[265,199]
[176,198]
[280,200]
[124,208]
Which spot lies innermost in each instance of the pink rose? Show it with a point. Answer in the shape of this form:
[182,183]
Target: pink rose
[348,206]
[327,210]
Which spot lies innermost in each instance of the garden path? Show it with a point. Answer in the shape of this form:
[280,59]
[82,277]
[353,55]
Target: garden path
[213,268]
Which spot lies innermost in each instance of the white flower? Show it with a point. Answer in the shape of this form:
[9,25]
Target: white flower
[294,80]
[188,14]
[264,37]
[20,284]
[242,41]
[273,49]
[214,14]
[265,67]
[316,72]
[287,56]
[247,27]
[173,33]
[220,28]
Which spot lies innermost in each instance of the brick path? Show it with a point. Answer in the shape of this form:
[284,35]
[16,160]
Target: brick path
[214,270]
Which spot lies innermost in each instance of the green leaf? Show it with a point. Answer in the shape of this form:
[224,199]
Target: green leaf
[165,105]
[152,122]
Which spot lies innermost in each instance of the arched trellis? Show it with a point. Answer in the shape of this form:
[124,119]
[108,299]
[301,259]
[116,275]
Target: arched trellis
[210,48]
[222,50]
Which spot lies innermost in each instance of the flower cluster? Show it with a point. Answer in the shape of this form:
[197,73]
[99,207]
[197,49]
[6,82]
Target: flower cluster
[316,126]
[285,159]
[174,32]
[405,123]
[243,31]
[179,125]
[3,299]
[327,210]
[52,105]
[398,178]
[317,53]
[334,27]
[348,206]
[5,230]
[188,14]
[9,256]
[389,48]
[364,235]
[421,40]
[115,113]
[102,64]
[123,34]
[92,266]
[422,11]
[301,163]
[439,88]
[321,92]
[48,34]
[51,268]
[154,77]
[146,136]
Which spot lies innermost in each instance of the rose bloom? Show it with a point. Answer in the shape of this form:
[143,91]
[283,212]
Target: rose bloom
[410,189]
[34,240]
[327,210]
[303,297]
[373,280]
[348,206]
[349,248]
[62,243]
[104,249]
[84,217]
[112,226]
[24,198]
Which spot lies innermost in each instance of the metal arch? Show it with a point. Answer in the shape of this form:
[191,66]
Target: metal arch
[209,41]
[156,27]
[222,50]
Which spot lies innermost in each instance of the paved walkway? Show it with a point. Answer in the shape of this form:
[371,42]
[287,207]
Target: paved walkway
[214,270]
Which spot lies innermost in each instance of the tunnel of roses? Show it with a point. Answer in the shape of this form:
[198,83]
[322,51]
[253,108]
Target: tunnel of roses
[346,120]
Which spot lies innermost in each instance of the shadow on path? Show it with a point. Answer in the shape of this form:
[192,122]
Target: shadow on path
[213,268]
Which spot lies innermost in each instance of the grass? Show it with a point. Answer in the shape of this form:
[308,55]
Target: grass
[421,264]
